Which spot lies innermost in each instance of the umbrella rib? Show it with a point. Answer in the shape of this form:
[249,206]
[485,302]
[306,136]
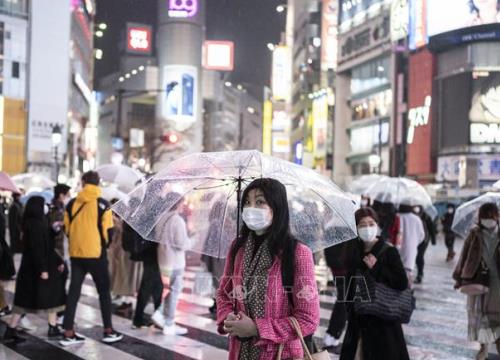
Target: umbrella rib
[334,209]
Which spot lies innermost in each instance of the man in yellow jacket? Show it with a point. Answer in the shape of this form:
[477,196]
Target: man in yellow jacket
[88,223]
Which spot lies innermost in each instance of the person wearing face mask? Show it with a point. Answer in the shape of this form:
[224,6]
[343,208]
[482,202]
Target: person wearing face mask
[173,242]
[482,245]
[449,235]
[368,337]
[39,281]
[268,276]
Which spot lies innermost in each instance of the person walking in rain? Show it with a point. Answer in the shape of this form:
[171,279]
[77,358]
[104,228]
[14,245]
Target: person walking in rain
[449,235]
[268,276]
[412,234]
[369,337]
[88,223]
[430,237]
[173,244]
[482,250]
[39,284]
[15,224]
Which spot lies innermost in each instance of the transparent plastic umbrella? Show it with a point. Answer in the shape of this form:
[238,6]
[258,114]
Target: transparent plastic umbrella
[466,214]
[399,190]
[360,185]
[33,182]
[123,176]
[210,185]
[111,192]
[6,183]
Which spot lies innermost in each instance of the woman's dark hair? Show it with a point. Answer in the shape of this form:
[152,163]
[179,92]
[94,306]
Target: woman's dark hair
[365,212]
[60,189]
[488,211]
[473,8]
[34,209]
[281,241]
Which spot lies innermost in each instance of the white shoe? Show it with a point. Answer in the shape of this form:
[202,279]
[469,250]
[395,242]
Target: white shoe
[117,300]
[330,341]
[174,330]
[26,324]
[158,319]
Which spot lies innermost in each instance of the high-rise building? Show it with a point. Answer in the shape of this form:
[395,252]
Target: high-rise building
[13,75]
[60,87]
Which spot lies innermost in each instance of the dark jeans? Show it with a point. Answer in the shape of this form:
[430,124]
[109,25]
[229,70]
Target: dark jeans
[420,258]
[449,240]
[151,286]
[98,269]
[339,313]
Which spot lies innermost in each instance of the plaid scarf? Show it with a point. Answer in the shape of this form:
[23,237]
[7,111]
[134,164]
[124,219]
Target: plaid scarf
[255,273]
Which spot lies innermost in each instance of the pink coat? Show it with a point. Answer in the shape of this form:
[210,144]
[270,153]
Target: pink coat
[274,328]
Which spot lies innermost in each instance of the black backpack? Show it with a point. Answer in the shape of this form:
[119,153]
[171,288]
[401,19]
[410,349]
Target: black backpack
[139,248]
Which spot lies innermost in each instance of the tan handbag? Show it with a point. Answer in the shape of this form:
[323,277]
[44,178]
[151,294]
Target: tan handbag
[322,355]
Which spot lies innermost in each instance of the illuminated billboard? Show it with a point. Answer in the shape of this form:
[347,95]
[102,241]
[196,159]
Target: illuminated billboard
[139,39]
[267,126]
[182,8]
[460,14]
[218,55]
[282,74]
[329,34]
[320,125]
[179,101]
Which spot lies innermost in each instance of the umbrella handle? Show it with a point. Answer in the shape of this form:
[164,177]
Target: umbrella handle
[238,220]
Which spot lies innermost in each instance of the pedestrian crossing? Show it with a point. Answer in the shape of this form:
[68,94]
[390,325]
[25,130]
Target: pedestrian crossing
[438,329]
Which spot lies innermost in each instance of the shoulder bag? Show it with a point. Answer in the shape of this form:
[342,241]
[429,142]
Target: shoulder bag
[322,355]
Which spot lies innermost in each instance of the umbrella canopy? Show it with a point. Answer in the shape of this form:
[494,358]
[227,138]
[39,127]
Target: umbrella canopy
[402,191]
[360,185]
[497,185]
[111,192]
[123,176]
[33,182]
[47,195]
[466,215]
[6,183]
[208,184]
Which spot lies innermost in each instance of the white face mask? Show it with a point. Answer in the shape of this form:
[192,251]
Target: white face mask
[364,203]
[66,201]
[489,223]
[368,233]
[450,211]
[256,219]
[45,209]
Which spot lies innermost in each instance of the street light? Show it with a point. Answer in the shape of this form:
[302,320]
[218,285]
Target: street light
[103,26]
[270,46]
[280,8]
[56,141]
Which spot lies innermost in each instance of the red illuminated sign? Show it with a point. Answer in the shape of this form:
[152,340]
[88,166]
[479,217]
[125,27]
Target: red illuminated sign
[139,39]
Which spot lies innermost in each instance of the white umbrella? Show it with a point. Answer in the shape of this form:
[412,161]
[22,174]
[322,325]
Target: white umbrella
[33,182]
[466,215]
[497,185]
[111,192]
[402,191]
[123,176]
[360,185]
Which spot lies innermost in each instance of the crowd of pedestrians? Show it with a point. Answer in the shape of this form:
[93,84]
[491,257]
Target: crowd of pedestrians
[266,291]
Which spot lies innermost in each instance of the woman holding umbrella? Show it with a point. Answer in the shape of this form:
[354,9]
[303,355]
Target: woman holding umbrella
[482,250]
[265,261]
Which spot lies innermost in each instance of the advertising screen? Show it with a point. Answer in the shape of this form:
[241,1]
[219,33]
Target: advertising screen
[282,74]
[460,14]
[350,8]
[139,39]
[218,55]
[180,97]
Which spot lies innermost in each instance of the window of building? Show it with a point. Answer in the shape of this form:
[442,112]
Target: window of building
[371,75]
[15,69]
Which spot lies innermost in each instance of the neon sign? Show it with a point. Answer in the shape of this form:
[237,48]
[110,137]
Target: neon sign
[182,8]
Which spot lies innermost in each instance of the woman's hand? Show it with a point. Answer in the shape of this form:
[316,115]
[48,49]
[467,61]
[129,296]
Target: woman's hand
[44,275]
[60,268]
[231,317]
[166,286]
[242,326]
[370,261]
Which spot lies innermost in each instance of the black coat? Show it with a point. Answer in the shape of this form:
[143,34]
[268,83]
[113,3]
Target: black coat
[39,255]
[15,225]
[381,340]
[7,269]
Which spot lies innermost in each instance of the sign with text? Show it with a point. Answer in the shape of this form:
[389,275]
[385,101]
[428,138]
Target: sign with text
[139,39]
[218,55]
[329,34]
[182,8]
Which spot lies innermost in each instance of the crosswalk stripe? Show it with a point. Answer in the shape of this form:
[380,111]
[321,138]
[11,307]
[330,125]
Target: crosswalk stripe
[6,353]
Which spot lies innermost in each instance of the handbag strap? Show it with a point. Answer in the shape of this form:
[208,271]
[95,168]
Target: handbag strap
[295,324]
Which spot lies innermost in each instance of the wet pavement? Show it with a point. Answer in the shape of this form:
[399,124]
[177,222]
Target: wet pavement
[438,329]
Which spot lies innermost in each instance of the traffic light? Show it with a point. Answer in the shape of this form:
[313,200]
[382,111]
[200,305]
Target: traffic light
[170,138]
